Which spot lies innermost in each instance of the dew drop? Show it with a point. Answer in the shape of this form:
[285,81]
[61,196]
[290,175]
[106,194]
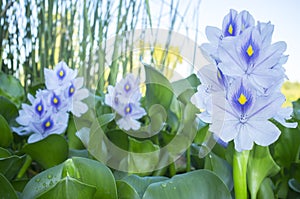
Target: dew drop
[44,184]
[174,188]
[50,176]
[51,183]
[37,180]
[164,185]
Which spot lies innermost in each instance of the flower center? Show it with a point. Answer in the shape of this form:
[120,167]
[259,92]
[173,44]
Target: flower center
[128,109]
[250,50]
[48,124]
[71,90]
[127,87]
[39,108]
[61,73]
[242,99]
[230,29]
[243,119]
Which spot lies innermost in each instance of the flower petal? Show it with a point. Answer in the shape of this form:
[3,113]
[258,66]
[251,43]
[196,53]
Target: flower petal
[263,133]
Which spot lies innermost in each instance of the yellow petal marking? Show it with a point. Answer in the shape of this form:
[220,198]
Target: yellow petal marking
[47,124]
[230,29]
[250,50]
[55,100]
[39,108]
[61,73]
[242,99]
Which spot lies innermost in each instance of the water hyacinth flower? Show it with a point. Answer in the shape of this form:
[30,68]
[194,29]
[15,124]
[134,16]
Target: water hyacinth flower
[124,99]
[240,92]
[234,24]
[244,117]
[246,57]
[63,80]
[48,112]
[39,119]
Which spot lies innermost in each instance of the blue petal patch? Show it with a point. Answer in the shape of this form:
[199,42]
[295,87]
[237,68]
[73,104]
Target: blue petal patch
[39,108]
[242,100]
[71,90]
[61,73]
[47,124]
[55,101]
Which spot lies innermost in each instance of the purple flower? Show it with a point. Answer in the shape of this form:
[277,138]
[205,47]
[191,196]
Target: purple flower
[244,117]
[124,99]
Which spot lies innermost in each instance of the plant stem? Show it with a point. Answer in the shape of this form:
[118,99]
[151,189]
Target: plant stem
[24,167]
[188,159]
[240,160]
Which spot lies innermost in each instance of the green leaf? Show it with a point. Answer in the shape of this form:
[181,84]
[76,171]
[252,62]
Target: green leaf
[106,118]
[287,147]
[6,136]
[69,188]
[6,191]
[220,167]
[294,185]
[140,184]
[8,109]
[43,182]
[145,156]
[48,152]
[192,185]
[126,191]
[11,88]
[158,88]
[97,174]
[260,166]
[11,165]
[4,153]
[180,86]
[73,141]
[80,173]
[266,189]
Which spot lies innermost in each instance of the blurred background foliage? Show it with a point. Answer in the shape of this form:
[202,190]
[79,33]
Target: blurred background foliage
[91,35]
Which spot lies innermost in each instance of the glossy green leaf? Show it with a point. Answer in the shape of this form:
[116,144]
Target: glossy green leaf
[295,171]
[266,189]
[95,173]
[11,88]
[294,185]
[10,166]
[69,188]
[48,152]
[80,172]
[287,147]
[220,167]
[180,86]
[43,182]
[260,166]
[8,109]
[158,88]
[140,184]
[192,185]
[126,191]
[6,136]
[73,141]
[145,156]
[6,190]
[4,153]
[106,118]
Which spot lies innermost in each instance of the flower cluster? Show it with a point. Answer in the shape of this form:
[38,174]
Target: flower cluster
[124,98]
[240,92]
[48,112]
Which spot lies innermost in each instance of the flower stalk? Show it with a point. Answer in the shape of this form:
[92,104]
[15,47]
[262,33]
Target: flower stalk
[240,160]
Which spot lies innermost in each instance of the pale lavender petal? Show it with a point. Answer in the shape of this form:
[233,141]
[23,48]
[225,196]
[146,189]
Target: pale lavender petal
[262,132]
[243,141]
